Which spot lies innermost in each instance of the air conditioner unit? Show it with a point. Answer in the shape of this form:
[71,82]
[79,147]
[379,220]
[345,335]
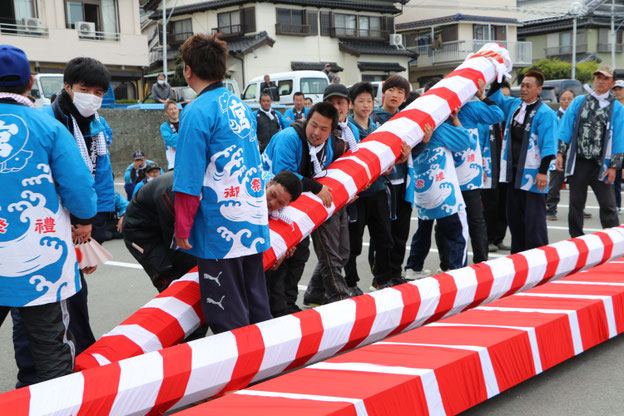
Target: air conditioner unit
[32,25]
[85,29]
[396,39]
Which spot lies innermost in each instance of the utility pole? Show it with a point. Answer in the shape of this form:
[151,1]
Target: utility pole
[164,37]
[612,36]
[576,10]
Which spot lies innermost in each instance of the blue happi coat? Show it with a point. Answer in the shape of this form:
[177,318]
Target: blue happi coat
[289,115]
[614,140]
[469,162]
[437,193]
[541,142]
[43,179]
[218,160]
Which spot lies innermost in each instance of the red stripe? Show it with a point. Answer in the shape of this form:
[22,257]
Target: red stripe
[177,366]
[411,305]
[268,259]
[113,348]
[311,335]
[160,323]
[250,353]
[485,280]
[552,262]
[312,208]
[583,250]
[607,242]
[448,292]
[418,116]
[187,292]
[16,402]
[521,268]
[468,73]
[357,172]
[338,190]
[99,395]
[447,95]
[365,313]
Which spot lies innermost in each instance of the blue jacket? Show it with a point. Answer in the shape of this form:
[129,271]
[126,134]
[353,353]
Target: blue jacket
[437,193]
[541,141]
[104,185]
[217,159]
[44,179]
[127,173]
[121,204]
[380,183]
[282,120]
[614,142]
[170,138]
[469,162]
[289,115]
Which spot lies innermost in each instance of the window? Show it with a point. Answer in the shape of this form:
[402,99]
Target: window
[51,85]
[229,22]
[372,78]
[345,24]
[293,22]
[14,11]
[499,32]
[103,13]
[369,26]
[313,85]
[285,87]
[325,23]
[290,16]
[251,92]
[480,32]
[179,30]
[565,42]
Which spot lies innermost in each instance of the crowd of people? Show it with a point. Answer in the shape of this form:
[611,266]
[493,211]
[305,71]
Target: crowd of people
[488,167]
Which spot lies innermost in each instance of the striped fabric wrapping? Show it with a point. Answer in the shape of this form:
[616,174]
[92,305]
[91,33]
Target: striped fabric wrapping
[184,374]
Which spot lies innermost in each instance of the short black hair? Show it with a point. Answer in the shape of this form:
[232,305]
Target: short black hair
[566,90]
[361,88]
[88,71]
[298,93]
[505,84]
[290,182]
[308,98]
[206,55]
[410,99]
[265,94]
[396,81]
[13,89]
[326,110]
[539,77]
[431,83]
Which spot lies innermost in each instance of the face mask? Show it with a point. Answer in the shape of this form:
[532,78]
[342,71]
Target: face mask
[161,82]
[87,104]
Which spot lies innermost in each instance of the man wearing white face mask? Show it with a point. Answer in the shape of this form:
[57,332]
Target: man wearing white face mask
[161,91]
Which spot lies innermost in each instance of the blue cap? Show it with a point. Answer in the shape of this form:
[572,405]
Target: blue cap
[13,63]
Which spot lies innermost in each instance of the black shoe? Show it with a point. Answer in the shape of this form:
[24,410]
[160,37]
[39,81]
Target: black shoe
[355,291]
[587,215]
[314,299]
[292,308]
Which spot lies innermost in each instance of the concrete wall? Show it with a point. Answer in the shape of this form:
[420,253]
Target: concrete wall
[133,130]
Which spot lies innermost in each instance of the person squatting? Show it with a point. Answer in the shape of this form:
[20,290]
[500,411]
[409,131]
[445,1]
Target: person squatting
[235,169]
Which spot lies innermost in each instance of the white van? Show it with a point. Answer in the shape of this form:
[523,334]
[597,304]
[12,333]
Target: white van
[45,86]
[311,83]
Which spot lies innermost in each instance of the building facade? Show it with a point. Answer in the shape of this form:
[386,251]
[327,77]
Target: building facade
[52,32]
[446,34]
[356,37]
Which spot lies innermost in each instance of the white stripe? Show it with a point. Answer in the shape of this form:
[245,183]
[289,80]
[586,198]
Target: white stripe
[463,87]
[62,396]
[537,361]
[305,223]
[100,359]
[182,312]
[140,380]
[408,130]
[278,244]
[337,319]
[389,311]
[360,407]
[189,277]
[65,318]
[578,282]
[438,108]
[360,162]
[281,337]
[122,264]
[428,378]
[147,341]
[345,179]
[575,330]
[382,151]
[466,281]
[537,264]
[491,384]
[606,300]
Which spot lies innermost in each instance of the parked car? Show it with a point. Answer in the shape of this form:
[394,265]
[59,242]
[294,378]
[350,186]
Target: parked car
[311,83]
[183,94]
[547,94]
[560,85]
[45,87]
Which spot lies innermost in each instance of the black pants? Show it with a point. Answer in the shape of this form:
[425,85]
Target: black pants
[617,187]
[554,190]
[526,216]
[161,264]
[233,292]
[47,338]
[494,211]
[400,228]
[372,211]
[586,174]
[476,229]
[100,226]
[451,228]
[331,245]
[282,283]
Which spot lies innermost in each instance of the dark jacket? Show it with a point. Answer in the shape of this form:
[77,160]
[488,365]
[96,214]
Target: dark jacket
[271,89]
[266,128]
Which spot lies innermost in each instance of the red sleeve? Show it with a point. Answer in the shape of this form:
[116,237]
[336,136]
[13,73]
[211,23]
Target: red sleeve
[185,208]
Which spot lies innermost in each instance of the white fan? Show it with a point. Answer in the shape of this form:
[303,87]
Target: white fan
[91,253]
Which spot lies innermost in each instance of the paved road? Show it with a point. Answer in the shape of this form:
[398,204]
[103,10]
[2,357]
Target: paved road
[589,384]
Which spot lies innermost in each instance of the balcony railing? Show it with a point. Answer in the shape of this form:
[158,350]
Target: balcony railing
[178,38]
[228,31]
[606,47]
[564,50]
[97,35]
[23,30]
[290,29]
[456,51]
[352,33]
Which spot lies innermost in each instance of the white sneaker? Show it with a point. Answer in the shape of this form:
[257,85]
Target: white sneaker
[414,274]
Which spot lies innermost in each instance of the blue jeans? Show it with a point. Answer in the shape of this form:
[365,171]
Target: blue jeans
[451,229]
